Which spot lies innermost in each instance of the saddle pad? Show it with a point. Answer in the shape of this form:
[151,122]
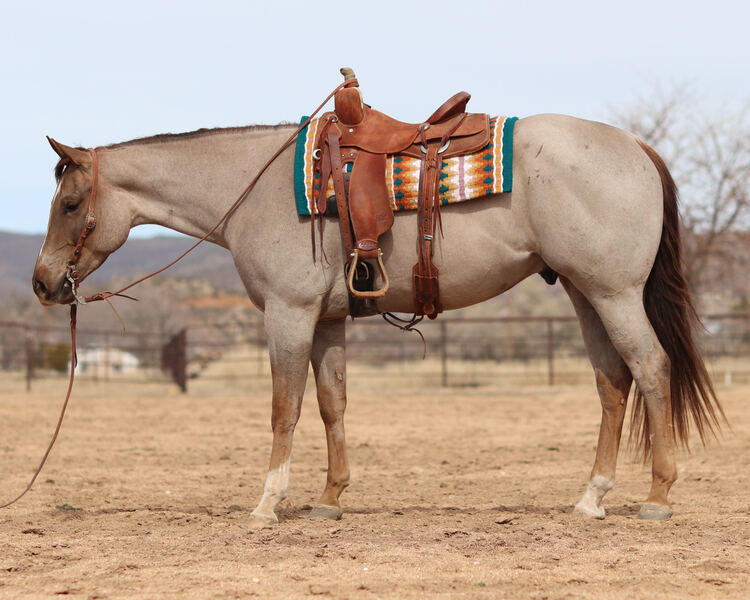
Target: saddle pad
[489,171]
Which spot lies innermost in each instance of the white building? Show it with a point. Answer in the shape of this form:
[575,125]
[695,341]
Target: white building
[106,362]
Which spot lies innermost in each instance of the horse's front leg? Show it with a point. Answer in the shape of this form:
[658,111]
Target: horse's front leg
[290,333]
[329,366]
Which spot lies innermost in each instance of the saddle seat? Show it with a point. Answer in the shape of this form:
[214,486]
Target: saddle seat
[378,133]
[356,134]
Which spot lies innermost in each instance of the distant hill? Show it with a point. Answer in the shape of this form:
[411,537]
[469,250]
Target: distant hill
[208,262]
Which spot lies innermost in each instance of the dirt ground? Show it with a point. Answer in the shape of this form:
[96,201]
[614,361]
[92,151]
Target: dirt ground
[455,494]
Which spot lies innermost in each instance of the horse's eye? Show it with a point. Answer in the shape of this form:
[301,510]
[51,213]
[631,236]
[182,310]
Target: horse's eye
[70,206]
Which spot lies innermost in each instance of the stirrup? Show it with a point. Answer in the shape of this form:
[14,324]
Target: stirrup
[350,280]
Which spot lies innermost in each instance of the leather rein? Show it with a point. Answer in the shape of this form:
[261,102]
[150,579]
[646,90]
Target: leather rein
[90,221]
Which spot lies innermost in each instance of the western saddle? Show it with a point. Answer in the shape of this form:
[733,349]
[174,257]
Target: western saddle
[356,134]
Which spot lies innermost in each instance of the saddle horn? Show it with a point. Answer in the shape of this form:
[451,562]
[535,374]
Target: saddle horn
[348,73]
[349,103]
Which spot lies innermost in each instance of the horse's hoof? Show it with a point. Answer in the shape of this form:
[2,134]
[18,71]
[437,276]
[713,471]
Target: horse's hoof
[654,512]
[262,521]
[590,509]
[591,503]
[322,511]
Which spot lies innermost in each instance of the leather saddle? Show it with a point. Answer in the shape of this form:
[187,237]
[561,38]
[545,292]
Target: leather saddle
[351,148]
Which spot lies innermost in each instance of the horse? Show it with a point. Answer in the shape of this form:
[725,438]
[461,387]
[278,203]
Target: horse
[590,202]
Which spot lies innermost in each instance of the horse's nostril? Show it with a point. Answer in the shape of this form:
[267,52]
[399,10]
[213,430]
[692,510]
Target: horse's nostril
[40,287]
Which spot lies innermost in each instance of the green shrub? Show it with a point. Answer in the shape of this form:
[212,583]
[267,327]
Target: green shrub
[55,356]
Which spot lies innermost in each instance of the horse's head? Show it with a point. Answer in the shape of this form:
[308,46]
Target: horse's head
[75,174]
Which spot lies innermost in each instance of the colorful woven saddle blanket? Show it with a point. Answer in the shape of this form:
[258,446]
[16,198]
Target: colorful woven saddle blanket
[489,171]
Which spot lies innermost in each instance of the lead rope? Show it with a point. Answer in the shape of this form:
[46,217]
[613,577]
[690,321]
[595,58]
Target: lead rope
[73,275]
[73,361]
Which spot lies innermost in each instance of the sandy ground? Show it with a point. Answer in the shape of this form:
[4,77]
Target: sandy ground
[455,494]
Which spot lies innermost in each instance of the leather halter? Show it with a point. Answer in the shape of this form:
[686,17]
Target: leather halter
[88,227]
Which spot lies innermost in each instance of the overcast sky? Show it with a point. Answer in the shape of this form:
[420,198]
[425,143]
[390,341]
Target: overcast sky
[94,73]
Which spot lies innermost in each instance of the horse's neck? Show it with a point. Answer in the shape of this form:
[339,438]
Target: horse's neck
[187,184]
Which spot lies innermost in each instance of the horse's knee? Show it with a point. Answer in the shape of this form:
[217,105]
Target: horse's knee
[332,404]
[284,425]
[285,415]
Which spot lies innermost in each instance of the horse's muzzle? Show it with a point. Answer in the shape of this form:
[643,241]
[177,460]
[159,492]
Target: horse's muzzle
[49,291]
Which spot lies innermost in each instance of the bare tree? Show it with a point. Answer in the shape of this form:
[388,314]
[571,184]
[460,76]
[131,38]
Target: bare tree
[719,192]
[662,120]
[709,155]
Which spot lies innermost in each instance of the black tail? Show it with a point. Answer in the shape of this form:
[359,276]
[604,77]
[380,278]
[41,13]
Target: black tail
[670,310]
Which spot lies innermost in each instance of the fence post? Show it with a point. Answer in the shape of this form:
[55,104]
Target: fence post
[444,353]
[550,353]
[6,358]
[174,359]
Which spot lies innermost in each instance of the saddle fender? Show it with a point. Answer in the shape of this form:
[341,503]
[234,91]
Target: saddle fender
[369,207]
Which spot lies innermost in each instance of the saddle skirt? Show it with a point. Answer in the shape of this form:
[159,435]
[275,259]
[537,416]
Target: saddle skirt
[463,177]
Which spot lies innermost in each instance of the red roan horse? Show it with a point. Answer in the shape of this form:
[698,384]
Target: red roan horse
[591,202]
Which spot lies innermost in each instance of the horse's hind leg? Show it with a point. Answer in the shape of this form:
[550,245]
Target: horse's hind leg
[290,334]
[329,366]
[613,382]
[624,317]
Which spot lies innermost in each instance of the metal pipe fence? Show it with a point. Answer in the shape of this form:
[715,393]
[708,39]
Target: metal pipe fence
[459,352]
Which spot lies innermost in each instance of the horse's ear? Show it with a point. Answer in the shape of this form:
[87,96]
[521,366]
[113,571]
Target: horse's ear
[79,157]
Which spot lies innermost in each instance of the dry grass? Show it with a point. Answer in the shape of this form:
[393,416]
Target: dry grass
[246,367]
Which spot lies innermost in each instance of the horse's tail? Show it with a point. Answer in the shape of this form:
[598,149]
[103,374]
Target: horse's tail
[670,310]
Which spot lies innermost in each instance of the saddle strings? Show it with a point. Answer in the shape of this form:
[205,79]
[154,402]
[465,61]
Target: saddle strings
[407,325]
[106,295]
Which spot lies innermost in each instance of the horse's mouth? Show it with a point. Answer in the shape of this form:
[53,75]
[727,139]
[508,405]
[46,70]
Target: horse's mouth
[61,294]
[65,294]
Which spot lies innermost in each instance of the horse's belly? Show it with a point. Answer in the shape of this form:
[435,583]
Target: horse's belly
[485,250]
